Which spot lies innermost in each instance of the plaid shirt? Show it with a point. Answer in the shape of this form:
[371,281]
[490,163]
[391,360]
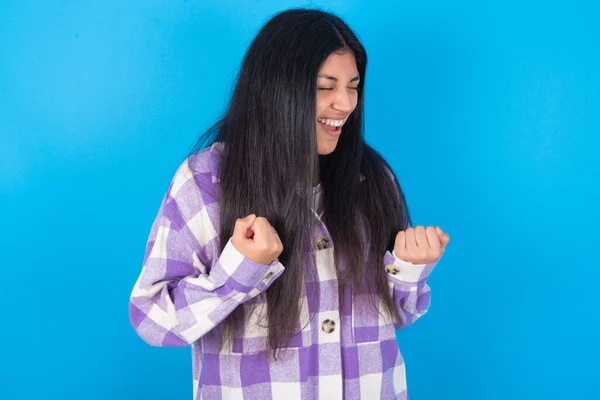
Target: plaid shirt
[187,287]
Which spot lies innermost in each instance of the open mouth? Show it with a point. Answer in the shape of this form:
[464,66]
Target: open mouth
[331,125]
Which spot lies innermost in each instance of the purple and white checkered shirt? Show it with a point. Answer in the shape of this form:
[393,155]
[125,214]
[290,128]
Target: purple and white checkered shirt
[187,287]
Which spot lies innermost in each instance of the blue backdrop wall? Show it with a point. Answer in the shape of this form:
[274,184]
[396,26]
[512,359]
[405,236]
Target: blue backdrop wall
[487,110]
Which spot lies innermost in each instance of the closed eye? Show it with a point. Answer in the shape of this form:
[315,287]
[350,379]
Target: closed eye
[351,88]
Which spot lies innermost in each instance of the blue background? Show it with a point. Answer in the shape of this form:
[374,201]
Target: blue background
[488,111]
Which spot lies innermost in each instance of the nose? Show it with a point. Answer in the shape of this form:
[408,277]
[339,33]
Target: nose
[343,101]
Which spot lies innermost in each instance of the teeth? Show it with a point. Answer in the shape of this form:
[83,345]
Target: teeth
[331,122]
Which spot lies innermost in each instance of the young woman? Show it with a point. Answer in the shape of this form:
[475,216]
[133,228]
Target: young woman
[283,251]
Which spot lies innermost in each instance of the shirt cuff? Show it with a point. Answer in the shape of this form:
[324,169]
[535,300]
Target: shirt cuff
[404,271]
[236,269]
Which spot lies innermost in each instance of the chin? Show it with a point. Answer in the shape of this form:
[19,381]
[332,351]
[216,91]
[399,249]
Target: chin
[327,149]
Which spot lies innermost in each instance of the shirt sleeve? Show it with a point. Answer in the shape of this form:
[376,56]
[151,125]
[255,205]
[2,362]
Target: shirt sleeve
[408,284]
[187,286]
[409,288]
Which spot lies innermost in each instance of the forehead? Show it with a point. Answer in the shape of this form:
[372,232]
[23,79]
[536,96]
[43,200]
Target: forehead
[340,63]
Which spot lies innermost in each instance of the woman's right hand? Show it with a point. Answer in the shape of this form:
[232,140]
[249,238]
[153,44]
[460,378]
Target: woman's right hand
[256,239]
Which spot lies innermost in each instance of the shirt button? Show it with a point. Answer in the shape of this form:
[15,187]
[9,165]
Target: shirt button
[392,269]
[321,242]
[328,326]
[267,276]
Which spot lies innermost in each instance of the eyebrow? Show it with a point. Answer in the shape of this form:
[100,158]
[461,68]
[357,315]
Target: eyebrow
[333,78]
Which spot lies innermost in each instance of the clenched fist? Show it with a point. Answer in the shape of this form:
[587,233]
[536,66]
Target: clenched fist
[420,245]
[256,239]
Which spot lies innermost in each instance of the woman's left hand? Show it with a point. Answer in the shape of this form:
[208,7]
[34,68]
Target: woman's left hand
[420,245]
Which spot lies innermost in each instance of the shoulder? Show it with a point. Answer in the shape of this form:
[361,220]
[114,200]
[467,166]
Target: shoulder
[194,186]
[201,168]
[375,166]
[207,160]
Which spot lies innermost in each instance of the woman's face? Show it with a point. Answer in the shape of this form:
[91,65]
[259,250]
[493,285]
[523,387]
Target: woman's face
[337,96]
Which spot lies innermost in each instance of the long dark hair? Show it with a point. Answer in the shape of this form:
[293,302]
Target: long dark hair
[269,164]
